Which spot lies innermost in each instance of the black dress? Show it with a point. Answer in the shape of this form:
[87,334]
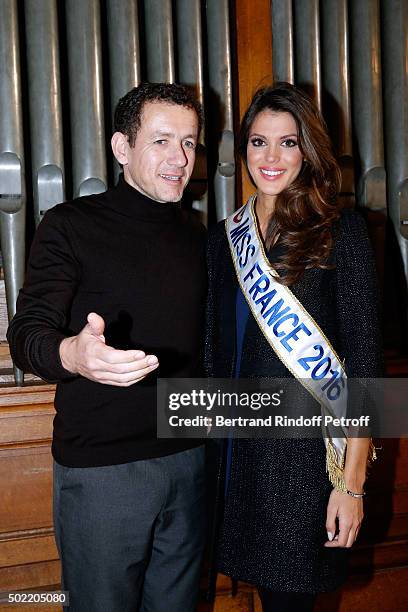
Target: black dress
[273,527]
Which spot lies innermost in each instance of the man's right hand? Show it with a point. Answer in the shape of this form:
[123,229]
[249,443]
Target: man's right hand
[88,355]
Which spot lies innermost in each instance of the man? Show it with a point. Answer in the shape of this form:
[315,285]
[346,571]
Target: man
[114,296]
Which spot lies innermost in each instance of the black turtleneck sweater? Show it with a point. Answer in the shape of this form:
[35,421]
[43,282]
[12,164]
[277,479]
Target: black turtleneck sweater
[140,265]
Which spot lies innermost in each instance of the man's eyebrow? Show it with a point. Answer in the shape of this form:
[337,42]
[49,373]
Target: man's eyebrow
[166,133]
[162,133]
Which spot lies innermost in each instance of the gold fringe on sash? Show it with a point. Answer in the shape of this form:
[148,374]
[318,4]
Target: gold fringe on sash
[372,454]
[335,466]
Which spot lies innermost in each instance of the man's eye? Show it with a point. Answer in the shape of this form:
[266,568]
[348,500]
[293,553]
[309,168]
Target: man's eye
[257,142]
[289,142]
[161,141]
[189,144]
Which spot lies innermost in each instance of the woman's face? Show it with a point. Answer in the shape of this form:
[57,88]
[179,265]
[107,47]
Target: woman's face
[273,155]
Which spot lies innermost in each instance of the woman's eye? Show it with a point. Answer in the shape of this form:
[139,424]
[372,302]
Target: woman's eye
[289,142]
[257,142]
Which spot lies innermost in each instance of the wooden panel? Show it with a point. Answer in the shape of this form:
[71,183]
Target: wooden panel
[25,424]
[25,484]
[5,359]
[254,63]
[28,555]
[29,562]
[25,459]
[386,502]
[392,553]
[377,526]
[391,468]
[385,591]
[28,608]
[30,576]
[21,550]
[242,602]
[254,48]
[27,395]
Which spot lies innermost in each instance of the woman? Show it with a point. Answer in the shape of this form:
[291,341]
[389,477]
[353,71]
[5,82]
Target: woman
[288,520]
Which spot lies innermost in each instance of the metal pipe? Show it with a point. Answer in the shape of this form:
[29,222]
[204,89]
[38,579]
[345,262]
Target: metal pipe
[86,96]
[190,70]
[124,54]
[336,79]
[336,73]
[282,41]
[307,43]
[159,41]
[394,16]
[190,46]
[220,80]
[47,151]
[12,177]
[367,101]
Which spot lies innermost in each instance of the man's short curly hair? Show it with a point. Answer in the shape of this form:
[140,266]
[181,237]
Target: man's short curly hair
[128,112]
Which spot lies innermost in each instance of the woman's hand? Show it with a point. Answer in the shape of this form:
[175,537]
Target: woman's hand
[349,512]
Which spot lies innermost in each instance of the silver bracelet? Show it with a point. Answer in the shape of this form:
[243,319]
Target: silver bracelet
[355,495]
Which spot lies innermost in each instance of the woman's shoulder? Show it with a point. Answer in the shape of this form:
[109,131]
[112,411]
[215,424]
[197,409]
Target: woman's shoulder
[351,233]
[352,220]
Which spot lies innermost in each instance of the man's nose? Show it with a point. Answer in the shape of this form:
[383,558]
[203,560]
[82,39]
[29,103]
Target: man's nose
[177,156]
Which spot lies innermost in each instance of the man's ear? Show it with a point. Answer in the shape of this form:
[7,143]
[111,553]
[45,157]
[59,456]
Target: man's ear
[120,145]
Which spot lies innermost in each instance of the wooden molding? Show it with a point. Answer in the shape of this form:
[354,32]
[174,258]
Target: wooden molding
[253,28]
[30,394]
[28,555]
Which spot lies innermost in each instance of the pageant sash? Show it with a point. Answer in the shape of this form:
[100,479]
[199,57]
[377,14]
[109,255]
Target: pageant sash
[292,333]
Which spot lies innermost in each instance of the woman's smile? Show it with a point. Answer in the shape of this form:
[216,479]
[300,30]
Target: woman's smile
[271,174]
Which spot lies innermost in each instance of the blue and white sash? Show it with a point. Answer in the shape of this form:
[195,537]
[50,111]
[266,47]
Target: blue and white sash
[292,333]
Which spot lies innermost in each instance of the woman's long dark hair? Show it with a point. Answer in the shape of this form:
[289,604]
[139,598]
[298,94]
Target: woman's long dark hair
[306,210]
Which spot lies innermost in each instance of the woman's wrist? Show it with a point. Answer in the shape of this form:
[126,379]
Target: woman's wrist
[352,484]
[355,482]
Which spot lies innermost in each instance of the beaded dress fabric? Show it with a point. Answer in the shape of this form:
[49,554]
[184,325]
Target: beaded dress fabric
[273,526]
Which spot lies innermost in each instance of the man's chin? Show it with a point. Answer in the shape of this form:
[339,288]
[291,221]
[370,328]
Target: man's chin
[172,197]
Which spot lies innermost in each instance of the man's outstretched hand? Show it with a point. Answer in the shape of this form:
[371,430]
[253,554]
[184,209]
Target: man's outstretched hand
[88,355]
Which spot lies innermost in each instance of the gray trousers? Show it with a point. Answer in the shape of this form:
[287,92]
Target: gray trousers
[130,536]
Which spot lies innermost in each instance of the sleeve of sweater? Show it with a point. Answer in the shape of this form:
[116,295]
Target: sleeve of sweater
[357,300]
[42,316]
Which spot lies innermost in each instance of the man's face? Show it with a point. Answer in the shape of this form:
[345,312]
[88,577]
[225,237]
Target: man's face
[160,163]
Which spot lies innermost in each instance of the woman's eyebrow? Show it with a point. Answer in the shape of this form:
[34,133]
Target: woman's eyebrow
[262,136]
